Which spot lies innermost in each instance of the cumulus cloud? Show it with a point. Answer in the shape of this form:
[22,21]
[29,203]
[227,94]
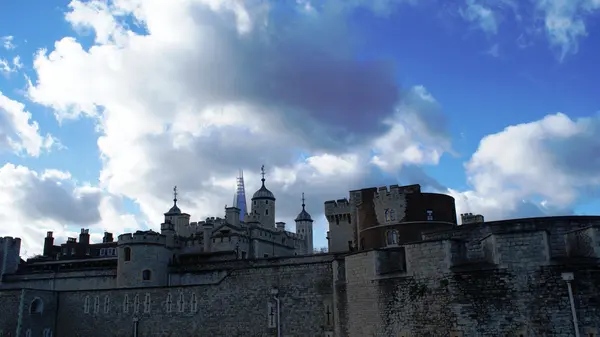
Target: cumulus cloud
[7,42]
[32,203]
[204,88]
[538,168]
[18,133]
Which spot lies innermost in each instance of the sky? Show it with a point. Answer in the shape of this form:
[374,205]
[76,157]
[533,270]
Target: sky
[106,105]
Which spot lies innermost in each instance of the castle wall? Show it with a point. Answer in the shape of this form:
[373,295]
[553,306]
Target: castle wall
[10,301]
[236,306]
[75,280]
[440,293]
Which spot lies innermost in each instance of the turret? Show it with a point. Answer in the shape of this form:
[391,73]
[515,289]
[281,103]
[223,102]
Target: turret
[180,220]
[304,227]
[263,204]
[143,260]
[10,249]
[48,244]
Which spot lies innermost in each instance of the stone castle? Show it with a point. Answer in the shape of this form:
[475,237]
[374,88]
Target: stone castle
[398,265]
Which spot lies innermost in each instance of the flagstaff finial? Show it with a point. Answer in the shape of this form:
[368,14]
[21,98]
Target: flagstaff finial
[303,201]
[262,172]
[175,194]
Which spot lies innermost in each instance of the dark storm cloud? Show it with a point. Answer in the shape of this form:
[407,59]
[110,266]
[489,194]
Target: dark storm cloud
[54,199]
[306,67]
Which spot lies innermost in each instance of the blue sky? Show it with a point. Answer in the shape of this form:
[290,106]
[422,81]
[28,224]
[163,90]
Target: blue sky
[129,124]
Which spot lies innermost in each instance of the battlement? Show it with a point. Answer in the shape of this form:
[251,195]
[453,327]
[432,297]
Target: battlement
[139,237]
[468,218]
[337,207]
[9,240]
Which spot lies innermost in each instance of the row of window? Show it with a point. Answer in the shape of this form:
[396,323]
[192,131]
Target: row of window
[181,304]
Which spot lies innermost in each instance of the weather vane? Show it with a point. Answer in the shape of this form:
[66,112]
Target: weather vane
[175,193]
[262,171]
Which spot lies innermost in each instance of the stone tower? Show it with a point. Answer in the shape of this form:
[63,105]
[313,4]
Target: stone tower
[304,226]
[180,220]
[143,260]
[263,204]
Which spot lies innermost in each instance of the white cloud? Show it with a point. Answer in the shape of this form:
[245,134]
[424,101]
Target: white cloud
[18,133]
[7,42]
[553,160]
[480,15]
[32,203]
[211,87]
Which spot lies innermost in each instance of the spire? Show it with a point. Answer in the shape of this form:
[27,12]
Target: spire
[303,201]
[262,172]
[175,195]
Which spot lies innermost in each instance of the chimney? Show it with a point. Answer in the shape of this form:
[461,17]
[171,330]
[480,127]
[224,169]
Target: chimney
[48,244]
[84,237]
[232,214]
[108,237]
[280,226]
[207,229]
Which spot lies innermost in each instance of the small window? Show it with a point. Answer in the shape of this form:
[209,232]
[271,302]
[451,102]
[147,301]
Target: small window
[102,251]
[254,202]
[194,303]
[429,215]
[86,305]
[146,275]
[265,255]
[266,202]
[72,251]
[169,303]
[181,303]
[136,303]
[127,252]
[392,237]
[243,255]
[106,304]
[266,212]
[126,304]
[147,303]
[28,333]
[97,305]
[36,307]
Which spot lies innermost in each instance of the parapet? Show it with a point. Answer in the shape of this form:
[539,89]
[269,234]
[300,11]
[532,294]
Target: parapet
[10,241]
[335,207]
[468,218]
[140,237]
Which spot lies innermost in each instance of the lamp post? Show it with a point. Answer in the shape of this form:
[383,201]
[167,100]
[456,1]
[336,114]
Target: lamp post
[275,293]
[569,277]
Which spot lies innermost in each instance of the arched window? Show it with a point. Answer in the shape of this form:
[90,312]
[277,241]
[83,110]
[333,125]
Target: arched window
[127,252]
[36,307]
[392,237]
[266,212]
[146,275]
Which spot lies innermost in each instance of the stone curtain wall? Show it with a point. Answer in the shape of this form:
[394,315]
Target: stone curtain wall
[527,300]
[9,304]
[237,306]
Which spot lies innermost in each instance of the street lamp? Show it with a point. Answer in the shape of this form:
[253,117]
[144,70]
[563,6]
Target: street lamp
[569,277]
[275,293]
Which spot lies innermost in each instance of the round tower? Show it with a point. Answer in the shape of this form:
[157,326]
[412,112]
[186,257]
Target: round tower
[263,204]
[143,260]
[304,227]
